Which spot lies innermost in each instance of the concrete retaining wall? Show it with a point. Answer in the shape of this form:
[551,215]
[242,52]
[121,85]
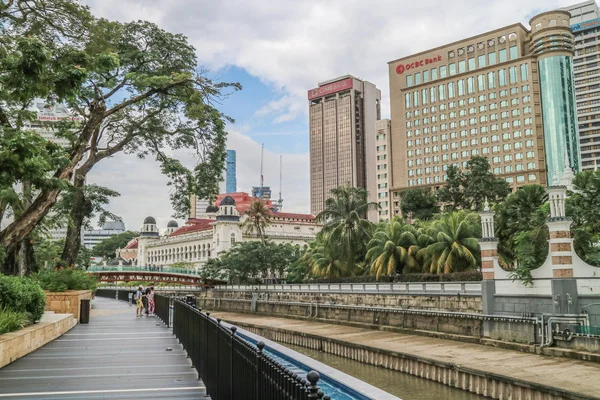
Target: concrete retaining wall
[479,382]
[444,302]
[436,324]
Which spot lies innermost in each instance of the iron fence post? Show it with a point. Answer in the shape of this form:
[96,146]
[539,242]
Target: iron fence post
[231,385]
[313,389]
[259,358]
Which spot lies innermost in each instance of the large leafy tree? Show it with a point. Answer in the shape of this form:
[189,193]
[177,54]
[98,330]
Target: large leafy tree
[582,206]
[393,249]
[134,87]
[347,229]
[418,203]
[521,228]
[248,262]
[108,247]
[258,217]
[456,247]
[468,189]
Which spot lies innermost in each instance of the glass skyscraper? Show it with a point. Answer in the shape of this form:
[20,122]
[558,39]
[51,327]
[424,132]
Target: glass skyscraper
[230,177]
[554,47]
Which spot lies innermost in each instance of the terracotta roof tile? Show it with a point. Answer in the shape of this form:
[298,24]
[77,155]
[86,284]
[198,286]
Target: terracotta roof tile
[194,225]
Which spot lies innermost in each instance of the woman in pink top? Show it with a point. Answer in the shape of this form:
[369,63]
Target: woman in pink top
[151,301]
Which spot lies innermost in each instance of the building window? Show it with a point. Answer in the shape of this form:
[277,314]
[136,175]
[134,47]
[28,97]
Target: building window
[524,72]
[409,80]
[471,85]
[502,55]
[514,52]
[492,58]
[233,238]
[531,177]
[512,73]
[417,78]
[425,76]
[481,61]
[502,78]
[462,66]
[452,69]
[443,71]
[434,74]
[471,64]
[407,100]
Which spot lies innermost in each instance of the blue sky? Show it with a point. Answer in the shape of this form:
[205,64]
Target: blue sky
[244,106]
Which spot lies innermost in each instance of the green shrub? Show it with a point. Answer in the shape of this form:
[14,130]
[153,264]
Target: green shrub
[61,279]
[12,320]
[21,294]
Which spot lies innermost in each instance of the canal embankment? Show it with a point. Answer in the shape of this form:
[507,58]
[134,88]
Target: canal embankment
[492,372]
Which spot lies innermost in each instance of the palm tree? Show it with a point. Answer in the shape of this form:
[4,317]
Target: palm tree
[345,225]
[425,238]
[258,218]
[392,249]
[456,247]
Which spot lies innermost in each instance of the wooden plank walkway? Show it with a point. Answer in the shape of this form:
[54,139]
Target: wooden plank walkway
[115,356]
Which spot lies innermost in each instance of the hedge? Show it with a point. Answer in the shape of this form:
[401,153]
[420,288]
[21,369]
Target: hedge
[466,276]
[21,294]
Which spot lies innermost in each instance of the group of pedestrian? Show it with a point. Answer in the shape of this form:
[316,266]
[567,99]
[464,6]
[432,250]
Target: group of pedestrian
[144,302]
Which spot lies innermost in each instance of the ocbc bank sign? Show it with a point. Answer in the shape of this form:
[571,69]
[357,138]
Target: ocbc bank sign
[426,61]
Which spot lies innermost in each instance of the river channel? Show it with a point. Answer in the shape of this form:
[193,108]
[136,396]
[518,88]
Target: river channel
[404,386]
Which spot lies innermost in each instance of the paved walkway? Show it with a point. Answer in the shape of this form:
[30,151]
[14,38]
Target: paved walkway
[115,356]
[571,375]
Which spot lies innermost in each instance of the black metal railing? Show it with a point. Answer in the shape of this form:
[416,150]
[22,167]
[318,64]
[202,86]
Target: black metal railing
[161,308]
[231,367]
[110,293]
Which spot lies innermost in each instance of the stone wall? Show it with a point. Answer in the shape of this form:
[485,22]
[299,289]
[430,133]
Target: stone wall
[15,345]
[444,302]
[520,305]
[67,302]
[422,321]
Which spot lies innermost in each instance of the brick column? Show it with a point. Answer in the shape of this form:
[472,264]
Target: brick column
[488,243]
[564,285]
[489,254]
[559,225]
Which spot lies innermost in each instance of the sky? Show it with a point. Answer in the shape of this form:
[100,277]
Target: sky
[278,50]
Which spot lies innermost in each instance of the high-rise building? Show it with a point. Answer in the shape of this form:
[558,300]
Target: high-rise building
[506,95]
[110,228]
[382,143]
[342,117]
[261,192]
[585,24]
[230,174]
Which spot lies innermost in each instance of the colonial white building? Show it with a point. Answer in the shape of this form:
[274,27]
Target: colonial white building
[218,229]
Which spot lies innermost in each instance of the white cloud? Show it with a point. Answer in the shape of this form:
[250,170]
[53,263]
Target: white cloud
[292,45]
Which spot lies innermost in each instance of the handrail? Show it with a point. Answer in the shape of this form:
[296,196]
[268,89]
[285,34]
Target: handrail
[230,366]
[471,288]
[128,268]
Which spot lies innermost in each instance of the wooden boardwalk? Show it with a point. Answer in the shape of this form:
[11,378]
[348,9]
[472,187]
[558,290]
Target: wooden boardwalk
[115,356]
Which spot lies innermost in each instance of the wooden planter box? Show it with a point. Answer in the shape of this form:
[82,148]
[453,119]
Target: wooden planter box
[67,302]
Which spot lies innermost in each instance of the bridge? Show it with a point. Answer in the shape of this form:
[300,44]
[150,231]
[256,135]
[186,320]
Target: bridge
[179,276]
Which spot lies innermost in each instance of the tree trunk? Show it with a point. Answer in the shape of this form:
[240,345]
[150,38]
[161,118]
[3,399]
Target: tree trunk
[25,246]
[32,216]
[78,212]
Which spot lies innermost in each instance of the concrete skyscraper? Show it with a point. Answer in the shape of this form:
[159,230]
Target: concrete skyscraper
[506,95]
[585,24]
[230,174]
[342,115]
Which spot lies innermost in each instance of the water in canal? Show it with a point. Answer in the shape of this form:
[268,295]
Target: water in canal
[404,386]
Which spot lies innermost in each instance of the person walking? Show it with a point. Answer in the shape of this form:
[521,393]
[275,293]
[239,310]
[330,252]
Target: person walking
[130,297]
[145,299]
[151,301]
[139,303]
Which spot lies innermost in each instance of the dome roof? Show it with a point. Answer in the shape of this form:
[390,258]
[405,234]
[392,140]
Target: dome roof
[172,224]
[228,201]
[149,220]
[212,209]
